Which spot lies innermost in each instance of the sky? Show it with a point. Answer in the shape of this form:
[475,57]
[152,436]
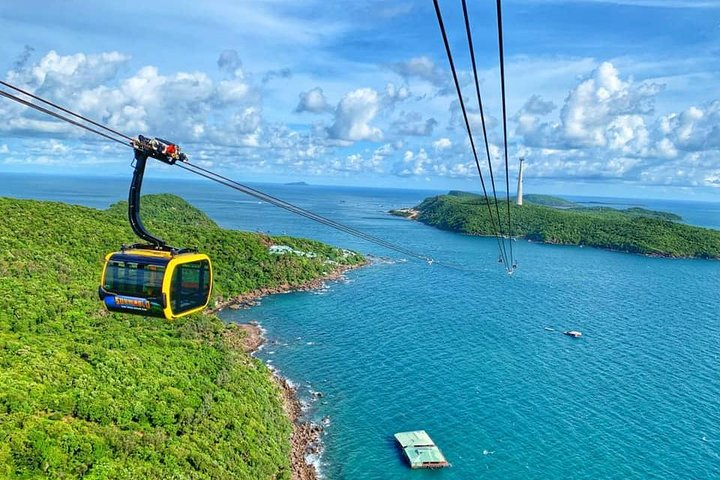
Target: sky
[604,97]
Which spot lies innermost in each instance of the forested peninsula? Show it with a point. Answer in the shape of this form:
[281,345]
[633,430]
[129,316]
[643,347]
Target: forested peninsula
[89,394]
[555,220]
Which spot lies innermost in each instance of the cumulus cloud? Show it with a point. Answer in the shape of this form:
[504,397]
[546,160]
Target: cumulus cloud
[601,111]
[595,102]
[694,129]
[442,144]
[712,179]
[536,105]
[395,94]
[313,101]
[412,123]
[606,129]
[359,163]
[422,68]
[353,116]
[419,163]
[412,164]
[186,104]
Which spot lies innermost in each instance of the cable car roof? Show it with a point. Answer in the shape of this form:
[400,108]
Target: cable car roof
[149,257]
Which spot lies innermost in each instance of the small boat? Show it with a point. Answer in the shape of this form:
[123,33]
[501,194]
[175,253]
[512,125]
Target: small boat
[573,333]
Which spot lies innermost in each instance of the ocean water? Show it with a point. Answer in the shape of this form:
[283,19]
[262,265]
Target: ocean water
[476,357]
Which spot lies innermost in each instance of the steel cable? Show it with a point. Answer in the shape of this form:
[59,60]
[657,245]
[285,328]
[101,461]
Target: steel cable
[467,126]
[504,115]
[196,169]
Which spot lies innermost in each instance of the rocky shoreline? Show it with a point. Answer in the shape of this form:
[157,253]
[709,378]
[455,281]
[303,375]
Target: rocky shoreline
[307,436]
[409,213]
[250,299]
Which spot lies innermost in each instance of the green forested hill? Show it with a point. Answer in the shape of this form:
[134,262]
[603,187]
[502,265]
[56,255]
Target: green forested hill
[633,230]
[88,394]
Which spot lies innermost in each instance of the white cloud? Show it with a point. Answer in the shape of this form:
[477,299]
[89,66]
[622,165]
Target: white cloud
[712,179]
[313,101]
[357,163]
[412,123]
[442,144]
[353,116]
[412,164]
[606,128]
[422,68]
[695,129]
[444,164]
[597,101]
[536,105]
[55,70]
[189,105]
[628,134]
[395,94]
[602,111]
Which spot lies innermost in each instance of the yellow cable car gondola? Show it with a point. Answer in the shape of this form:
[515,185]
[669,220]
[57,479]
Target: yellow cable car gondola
[154,279]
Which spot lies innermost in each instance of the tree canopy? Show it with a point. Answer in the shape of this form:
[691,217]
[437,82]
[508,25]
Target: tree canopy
[86,393]
[634,230]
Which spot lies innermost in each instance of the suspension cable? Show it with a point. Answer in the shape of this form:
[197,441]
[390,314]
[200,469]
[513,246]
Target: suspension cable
[482,120]
[467,125]
[504,115]
[62,109]
[196,169]
[60,117]
[203,172]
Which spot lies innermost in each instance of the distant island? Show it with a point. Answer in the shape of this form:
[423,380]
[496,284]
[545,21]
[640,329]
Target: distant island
[298,184]
[554,220]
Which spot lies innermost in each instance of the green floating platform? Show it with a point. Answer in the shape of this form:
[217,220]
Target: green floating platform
[420,450]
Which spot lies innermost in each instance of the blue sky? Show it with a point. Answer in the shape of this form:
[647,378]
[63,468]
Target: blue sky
[616,97]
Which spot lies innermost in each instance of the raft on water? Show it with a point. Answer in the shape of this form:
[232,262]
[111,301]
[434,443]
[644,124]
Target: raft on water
[420,450]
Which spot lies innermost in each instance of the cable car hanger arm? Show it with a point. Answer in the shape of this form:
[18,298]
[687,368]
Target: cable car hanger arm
[158,149]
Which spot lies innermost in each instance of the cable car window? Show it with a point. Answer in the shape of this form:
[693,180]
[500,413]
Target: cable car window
[134,279]
[190,286]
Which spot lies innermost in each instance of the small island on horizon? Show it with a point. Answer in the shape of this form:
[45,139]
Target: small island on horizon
[555,220]
[297,184]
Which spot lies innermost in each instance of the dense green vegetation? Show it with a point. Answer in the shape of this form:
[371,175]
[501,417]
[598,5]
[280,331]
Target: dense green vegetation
[557,202]
[633,230]
[88,394]
[548,201]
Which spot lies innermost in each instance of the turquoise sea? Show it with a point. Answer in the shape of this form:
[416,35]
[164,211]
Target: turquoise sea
[475,357]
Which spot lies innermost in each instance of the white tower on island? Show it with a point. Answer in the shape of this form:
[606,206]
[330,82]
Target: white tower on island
[520,182]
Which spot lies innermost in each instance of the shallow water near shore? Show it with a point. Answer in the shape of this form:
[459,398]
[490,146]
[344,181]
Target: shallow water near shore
[477,358]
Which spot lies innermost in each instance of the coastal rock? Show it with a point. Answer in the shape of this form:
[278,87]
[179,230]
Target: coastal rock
[250,299]
[307,436]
